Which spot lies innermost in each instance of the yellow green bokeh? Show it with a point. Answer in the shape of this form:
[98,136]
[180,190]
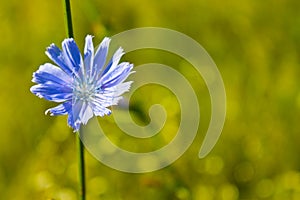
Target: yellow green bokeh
[256,46]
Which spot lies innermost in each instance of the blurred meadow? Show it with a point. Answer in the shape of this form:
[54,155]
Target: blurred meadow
[256,46]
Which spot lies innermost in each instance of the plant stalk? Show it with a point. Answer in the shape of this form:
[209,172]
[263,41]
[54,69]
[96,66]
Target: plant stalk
[80,147]
[81,167]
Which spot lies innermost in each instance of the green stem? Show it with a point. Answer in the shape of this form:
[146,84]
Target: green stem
[81,170]
[68,21]
[80,147]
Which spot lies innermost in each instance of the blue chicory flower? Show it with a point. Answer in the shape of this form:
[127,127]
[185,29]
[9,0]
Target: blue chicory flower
[84,87]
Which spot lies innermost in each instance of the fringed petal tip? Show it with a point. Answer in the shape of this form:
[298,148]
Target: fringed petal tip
[119,53]
[51,46]
[61,109]
[49,111]
[68,40]
[106,112]
[105,41]
[33,90]
[75,126]
[88,36]
[88,43]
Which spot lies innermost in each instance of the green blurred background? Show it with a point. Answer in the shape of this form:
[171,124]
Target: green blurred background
[256,46]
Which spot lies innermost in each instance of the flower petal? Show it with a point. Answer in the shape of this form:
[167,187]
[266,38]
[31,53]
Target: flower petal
[118,75]
[100,56]
[52,92]
[76,109]
[72,123]
[82,111]
[106,98]
[88,55]
[72,55]
[51,73]
[111,96]
[55,54]
[61,109]
[86,113]
[113,63]
[99,107]
[101,111]
[122,88]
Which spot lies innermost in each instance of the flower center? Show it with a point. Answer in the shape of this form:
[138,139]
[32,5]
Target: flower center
[83,91]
